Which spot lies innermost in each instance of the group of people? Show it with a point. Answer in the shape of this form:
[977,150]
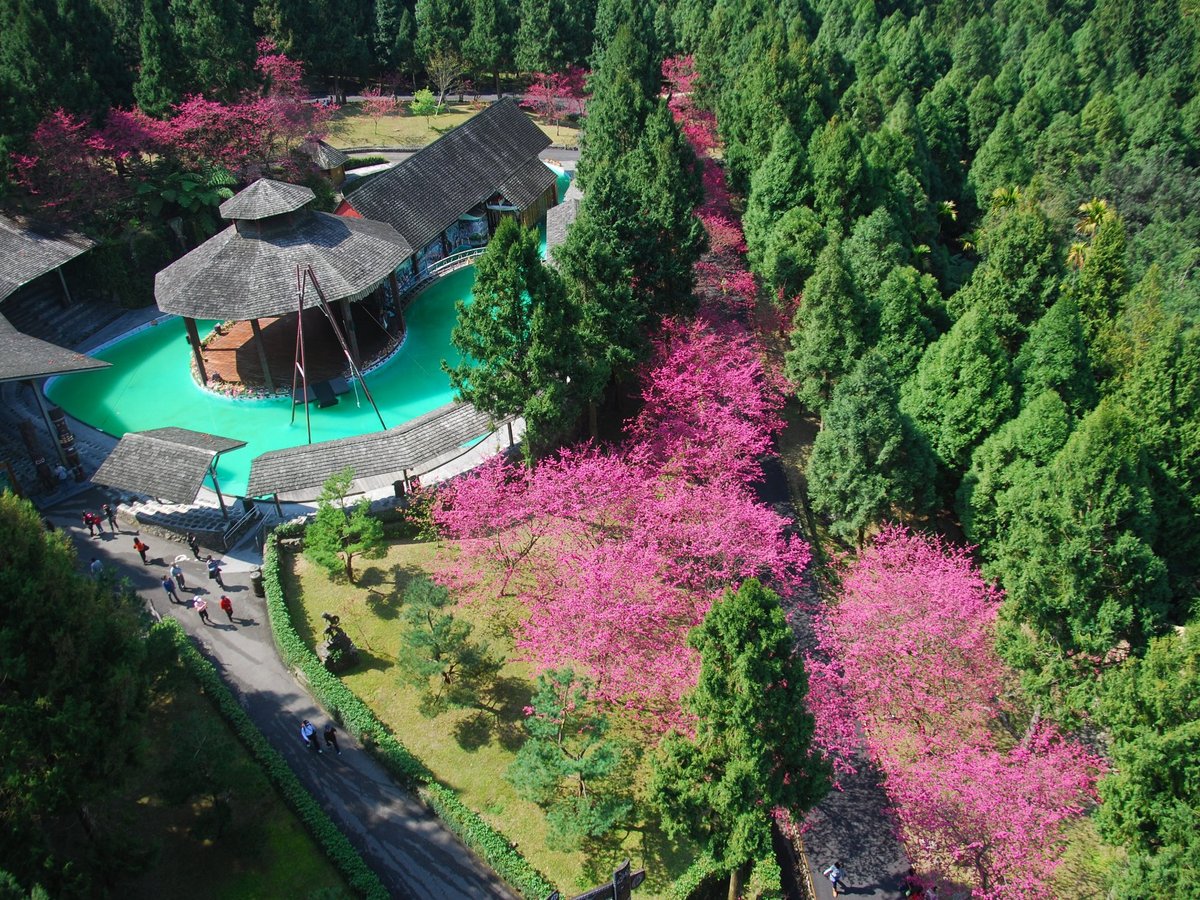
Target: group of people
[95,521]
[915,886]
[308,734]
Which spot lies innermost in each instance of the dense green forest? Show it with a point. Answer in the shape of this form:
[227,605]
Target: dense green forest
[983,221]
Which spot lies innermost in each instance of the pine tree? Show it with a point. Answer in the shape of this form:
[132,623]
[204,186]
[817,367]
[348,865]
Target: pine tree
[869,463]
[752,749]
[567,760]
[907,302]
[489,43]
[338,534]
[841,180]
[779,184]
[1077,565]
[789,254]
[214,38]
[538,47]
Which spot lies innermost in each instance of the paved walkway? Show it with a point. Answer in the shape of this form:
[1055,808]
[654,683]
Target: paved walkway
[406,845]
[849,824]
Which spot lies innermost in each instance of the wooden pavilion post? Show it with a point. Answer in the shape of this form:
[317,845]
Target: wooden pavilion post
[62,279]
[262,355]
[197,351]
[352,332]
[396,304]
[212,471]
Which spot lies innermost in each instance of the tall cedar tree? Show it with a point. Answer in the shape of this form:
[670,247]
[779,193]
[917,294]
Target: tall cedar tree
[157,89]
[1056,358]
[962,389]
[752,749]
[441,27]
[869,463]
[538,46]
[1004,466]
[338,534]
[1078,565]
[395,32]
[519,339]
[1151,706]
[73,687]
[779,184]
[489,44]
[566,763]
[831,330]
[214,38]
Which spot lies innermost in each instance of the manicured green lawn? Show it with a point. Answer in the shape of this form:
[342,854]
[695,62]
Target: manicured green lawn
[262,851]
[467,750]
[351,127]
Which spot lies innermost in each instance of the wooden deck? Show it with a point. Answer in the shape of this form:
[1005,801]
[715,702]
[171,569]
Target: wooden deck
[234,358]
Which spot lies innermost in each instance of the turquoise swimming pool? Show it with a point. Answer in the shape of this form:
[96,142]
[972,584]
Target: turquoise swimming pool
[150,386]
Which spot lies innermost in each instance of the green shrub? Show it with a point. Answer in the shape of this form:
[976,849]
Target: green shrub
[700,873]
[359,720]
[361,162]
[328,836]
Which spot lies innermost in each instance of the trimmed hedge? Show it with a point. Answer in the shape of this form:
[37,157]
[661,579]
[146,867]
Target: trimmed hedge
[358,719]
[328,836]
[702,870]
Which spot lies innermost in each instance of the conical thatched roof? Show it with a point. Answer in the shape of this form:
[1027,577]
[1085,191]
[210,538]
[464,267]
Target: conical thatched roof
[266,198]
[248,271]
[325,156]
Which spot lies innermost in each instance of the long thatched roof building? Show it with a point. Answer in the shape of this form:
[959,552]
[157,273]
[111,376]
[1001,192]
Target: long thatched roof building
[486,167]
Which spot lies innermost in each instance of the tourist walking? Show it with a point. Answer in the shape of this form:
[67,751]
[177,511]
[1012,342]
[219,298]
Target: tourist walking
[227,605]
[169,587]
[309,734]
[89,519]
[194,544]
[331,738]
[202,609]
[177,574]
[141,547]
[214,572]
[96,567]
[110,516]
[835,873]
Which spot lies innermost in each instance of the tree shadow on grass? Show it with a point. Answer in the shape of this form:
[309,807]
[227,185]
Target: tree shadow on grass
[385,589]
[371,662]
[500,720]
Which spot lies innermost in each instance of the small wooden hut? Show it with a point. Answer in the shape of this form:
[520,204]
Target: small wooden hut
[330,160]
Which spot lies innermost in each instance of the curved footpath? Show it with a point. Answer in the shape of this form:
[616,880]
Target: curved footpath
[413,853]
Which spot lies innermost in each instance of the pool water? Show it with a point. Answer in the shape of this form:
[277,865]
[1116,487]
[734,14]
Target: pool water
[150,385]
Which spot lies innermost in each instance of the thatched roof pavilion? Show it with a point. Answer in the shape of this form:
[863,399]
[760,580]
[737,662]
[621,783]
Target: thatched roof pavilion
[248,271]
[29,251]
[328,159]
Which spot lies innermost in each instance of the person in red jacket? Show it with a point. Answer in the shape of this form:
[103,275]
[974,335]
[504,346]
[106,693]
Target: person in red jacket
[227,605]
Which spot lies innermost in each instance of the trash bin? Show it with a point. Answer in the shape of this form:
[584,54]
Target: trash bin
[257,584]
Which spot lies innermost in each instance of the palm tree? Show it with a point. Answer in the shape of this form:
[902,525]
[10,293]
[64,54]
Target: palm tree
[1006,197]
[1092,215]
[1077,254]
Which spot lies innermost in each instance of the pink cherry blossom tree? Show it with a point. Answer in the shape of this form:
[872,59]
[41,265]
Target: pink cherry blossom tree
[907,651]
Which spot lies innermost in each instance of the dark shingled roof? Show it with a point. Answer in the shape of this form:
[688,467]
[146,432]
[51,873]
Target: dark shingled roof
[405,447]
[325,156]
[168,463]
[266,198]
[560,218]
[22,356]
[426,193]
[27,252]
[251,273]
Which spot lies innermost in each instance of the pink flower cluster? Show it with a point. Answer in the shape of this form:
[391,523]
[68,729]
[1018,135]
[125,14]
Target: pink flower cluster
[908,652]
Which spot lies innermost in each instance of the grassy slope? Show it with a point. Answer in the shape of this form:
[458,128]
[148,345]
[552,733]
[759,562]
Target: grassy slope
[469,751]
[351,127]
[264,850]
